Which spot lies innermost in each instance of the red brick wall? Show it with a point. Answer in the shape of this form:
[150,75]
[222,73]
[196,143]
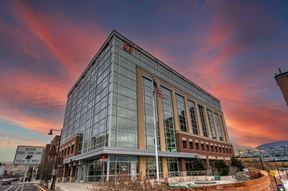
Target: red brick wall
[74,141]
[180,136]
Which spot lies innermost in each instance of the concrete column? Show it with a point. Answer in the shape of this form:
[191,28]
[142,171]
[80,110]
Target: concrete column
[164,168]
[188,117]
[142,166]
[198,118]
[78,173]
[183,167]
[85,172]
[160,119]
[72,174]
[175,111]
[65,172]
[207,163]
[108,169]
[140,109]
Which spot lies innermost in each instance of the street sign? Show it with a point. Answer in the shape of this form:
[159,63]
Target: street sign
[28,155]
[273,173]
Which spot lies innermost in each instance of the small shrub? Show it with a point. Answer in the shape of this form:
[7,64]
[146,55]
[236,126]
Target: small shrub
[221,168]
[237,163]
[125,183]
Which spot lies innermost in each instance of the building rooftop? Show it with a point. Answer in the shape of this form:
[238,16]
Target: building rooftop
[281,74]
[119,35]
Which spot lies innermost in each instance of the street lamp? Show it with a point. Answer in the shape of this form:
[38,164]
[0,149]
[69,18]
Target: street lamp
[54,175]
[51,131]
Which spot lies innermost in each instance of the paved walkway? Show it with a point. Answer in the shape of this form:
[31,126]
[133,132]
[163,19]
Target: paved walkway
[73,186]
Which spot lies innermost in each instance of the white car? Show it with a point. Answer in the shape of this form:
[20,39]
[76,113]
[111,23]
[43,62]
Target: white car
[6,181]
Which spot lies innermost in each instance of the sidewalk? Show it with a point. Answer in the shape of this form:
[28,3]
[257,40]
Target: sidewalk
[73,186]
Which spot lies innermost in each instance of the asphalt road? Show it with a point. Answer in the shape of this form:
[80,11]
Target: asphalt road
[16,186]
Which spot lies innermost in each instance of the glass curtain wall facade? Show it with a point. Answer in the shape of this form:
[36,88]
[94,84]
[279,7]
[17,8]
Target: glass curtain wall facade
[219,128]
[124,111]
[102,111]
[193,117]
[203,120]
[88,106]
[168,120]
[148,114]
[181,113]
[211,124]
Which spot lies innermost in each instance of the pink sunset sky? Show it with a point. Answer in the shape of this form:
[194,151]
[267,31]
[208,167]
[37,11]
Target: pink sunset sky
[230,49]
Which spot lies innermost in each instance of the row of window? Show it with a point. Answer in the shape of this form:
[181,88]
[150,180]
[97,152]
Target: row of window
[208,148]
[193,116]
[67,151]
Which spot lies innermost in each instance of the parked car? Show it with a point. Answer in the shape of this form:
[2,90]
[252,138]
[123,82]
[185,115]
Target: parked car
[6,181]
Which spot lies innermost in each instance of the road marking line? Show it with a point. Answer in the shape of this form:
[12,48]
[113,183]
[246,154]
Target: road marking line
[18,188]
[40,187]
[62,188]
[8,188]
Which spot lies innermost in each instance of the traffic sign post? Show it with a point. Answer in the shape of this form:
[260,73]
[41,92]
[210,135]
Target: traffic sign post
[25,174]
[28,156]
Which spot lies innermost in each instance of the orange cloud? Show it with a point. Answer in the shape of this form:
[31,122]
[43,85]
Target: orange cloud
[26,96]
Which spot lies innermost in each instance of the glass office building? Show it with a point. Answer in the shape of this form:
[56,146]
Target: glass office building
[109,118]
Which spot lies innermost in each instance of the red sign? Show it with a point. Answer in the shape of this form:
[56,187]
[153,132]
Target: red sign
[103,158]
[128,48]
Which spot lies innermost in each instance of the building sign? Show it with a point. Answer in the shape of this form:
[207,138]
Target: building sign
[103,158]
[128,48]
[28,155]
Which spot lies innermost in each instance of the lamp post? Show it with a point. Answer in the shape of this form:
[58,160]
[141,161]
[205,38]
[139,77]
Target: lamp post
[285,156]
[54,172]
[261,161]
[155,131]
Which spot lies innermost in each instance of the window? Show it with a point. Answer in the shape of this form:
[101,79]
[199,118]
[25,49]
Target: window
[203,121]
[216,149]
[218,124]
[193,117]
[148,115]
[184,143]
[173,167]
[168,120]
[68,152]
[72,148]
[220,150]
[211,124]
[197,146]
[212,148]
[202,147]
[224,132]
[191,145]
[181,113]
[207,148]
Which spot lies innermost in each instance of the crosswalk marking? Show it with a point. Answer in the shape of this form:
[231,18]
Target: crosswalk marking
[8,188]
